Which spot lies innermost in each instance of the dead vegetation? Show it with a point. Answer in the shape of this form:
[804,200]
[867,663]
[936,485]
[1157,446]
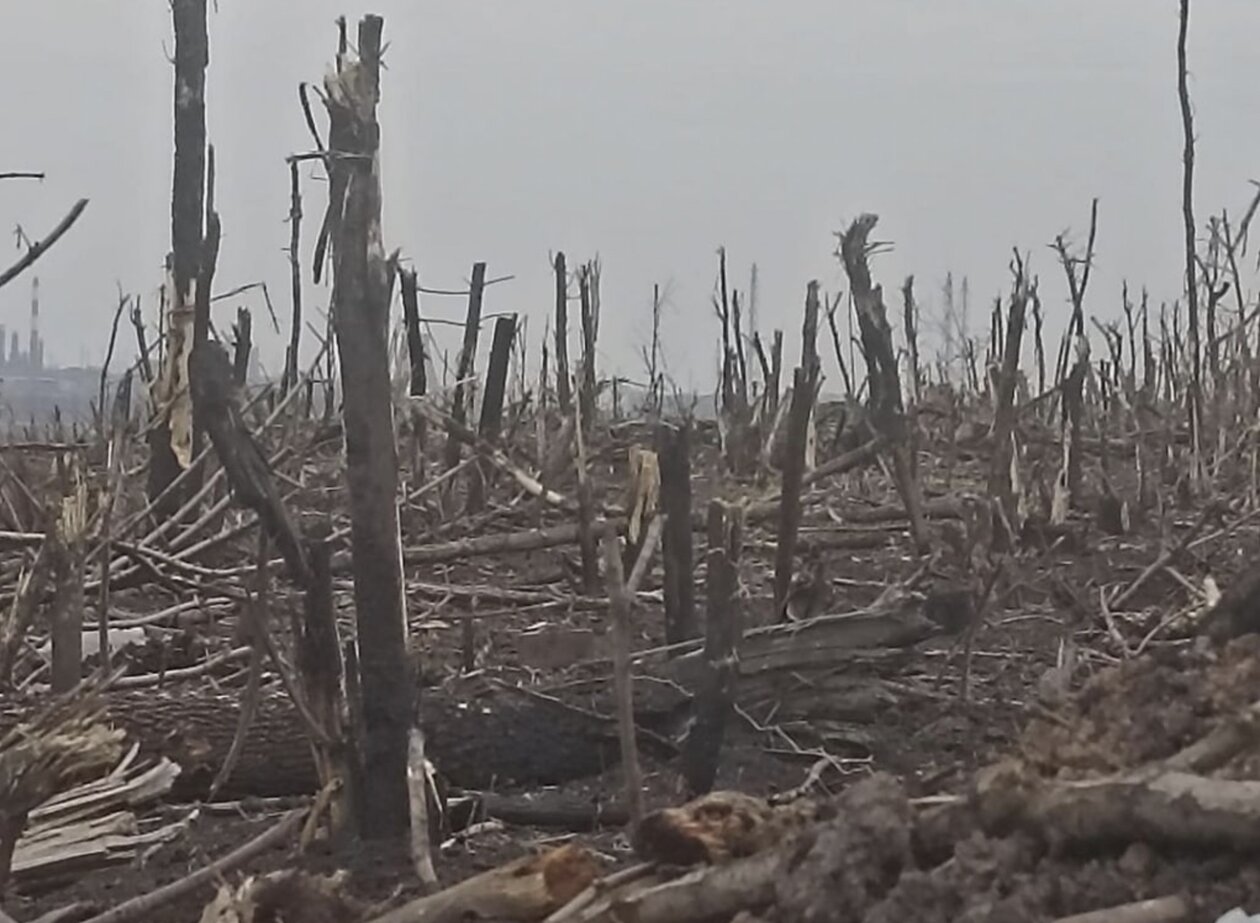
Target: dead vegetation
[343,654]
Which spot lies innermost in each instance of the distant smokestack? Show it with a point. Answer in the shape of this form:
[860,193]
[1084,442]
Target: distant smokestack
[15,352]
[35,352]
[4,346]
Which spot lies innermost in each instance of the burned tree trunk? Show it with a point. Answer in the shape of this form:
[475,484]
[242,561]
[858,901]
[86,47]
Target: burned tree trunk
[1001,484]
[170,435]
[492,403]
[564,393]
[415,341]
[321,671]
[360,311]
[419,383]
[243,329]
[887,410]
[911,321]
[716,697]
[289,380]
[69,557]
[803,385]
[588,283]
[467,358]
[248,473]
[673,451]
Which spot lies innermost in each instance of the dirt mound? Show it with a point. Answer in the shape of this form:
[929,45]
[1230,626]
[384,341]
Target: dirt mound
[1144,710]
[861,866]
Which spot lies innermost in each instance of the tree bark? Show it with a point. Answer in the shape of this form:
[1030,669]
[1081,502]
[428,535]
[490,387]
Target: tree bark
[588,282]
[192,57]
[418,385]
[716,698]
[295,279]
[564,390]
[620,601]
[673,451]
[1001,486]
[803,384]
[320,670]
[887,409]
[467,359]
[244,330]
[360,311]
[492,403]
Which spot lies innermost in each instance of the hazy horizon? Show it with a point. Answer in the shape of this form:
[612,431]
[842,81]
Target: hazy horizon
[650,134]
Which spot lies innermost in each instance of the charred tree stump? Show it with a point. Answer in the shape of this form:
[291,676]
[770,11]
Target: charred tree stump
[1001,486]
[620,600]
[320,671]
[467,360]
[242,347]
[564,392]
[492,403]
[588,542]
[809,331]
[1073,418]
[360,310]
[776,374]
[68,557]
[419,384]
[674,453]
[803,385]
[588,286]
[290,377]
[887,409]
[910,320]
[716,698]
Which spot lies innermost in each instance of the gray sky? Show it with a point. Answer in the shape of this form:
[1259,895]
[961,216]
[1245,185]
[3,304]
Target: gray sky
[650,132]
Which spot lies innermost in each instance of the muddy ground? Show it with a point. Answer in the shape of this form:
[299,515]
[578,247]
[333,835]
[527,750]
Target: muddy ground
[1126,710]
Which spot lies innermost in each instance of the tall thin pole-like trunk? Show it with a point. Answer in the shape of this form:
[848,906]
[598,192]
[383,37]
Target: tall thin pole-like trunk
[564,389]
[491,422]
[467,359]
[419,383]
[295,279]
[1195,395]
[360,311]
[192,57]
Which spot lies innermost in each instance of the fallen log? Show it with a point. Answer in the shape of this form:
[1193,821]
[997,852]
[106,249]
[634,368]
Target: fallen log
[548,813]
[1169,809]
[476,742]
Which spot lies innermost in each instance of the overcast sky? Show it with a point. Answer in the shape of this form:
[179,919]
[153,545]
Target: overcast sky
[650,132]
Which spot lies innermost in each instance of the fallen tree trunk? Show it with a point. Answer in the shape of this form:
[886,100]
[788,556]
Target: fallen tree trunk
[476,743]
[1170,809]
[509,737]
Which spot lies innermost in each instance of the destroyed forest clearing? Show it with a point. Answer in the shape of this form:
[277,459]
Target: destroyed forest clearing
[978,640]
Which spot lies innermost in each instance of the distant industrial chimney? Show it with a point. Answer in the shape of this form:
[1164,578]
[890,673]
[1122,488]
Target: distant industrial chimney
[15,352]
[36,348]
[4,347]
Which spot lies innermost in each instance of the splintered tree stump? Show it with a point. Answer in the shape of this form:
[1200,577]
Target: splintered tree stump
[474,743]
